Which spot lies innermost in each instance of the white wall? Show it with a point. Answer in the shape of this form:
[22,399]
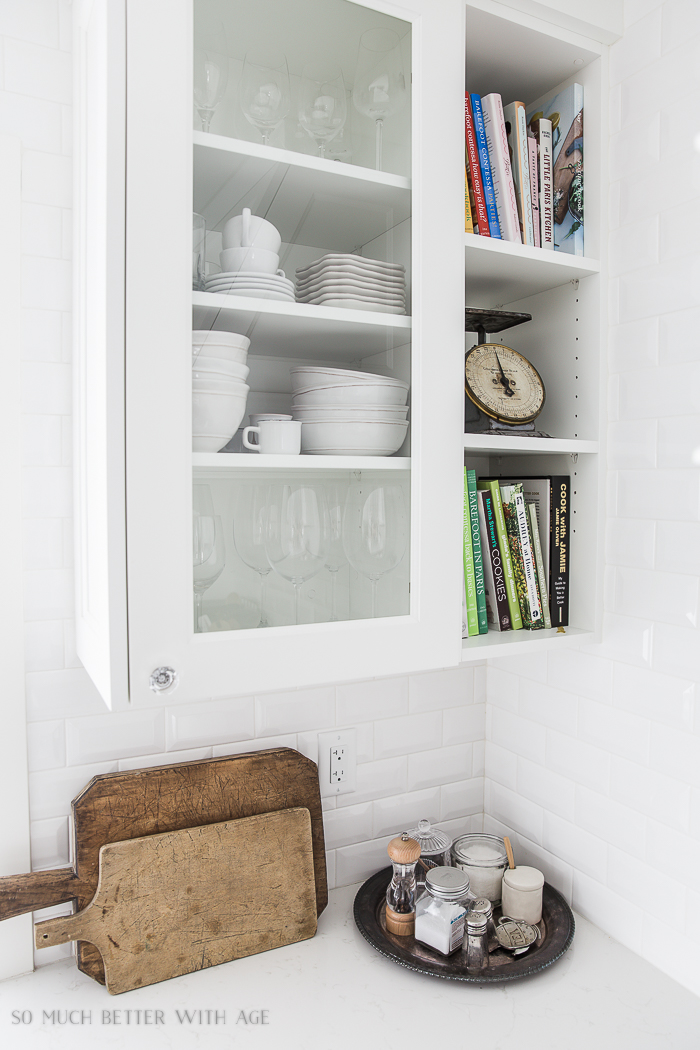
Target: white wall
[593,756]
[420,738]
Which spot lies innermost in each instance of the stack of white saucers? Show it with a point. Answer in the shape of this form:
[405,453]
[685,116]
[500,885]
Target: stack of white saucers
[353,282]
[349,413]
[219,390]
[249,282]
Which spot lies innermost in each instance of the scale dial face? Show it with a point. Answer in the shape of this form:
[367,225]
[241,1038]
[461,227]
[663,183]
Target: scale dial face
[503,383]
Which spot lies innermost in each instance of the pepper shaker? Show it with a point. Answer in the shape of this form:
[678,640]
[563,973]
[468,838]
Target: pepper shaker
[476,942]
[401,891]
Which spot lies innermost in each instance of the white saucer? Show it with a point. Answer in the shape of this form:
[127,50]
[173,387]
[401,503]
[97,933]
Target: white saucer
[348,277]
[255,293]
[343,291]
[357,304]
[252,281]
[367,265]
[254,274]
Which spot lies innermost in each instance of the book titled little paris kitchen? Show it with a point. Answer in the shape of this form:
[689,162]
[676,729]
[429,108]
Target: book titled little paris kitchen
[565,111]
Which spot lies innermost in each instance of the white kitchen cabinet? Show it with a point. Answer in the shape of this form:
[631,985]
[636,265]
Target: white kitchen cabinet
[135,361]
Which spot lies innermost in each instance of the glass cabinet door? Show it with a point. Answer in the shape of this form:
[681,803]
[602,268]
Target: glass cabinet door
[294,341]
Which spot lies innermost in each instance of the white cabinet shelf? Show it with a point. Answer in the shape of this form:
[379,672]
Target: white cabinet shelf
[500,271]
[515,643]
[234,461]
[497,445]
[296,330]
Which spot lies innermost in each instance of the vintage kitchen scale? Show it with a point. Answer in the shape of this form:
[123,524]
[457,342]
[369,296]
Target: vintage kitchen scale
[504,392]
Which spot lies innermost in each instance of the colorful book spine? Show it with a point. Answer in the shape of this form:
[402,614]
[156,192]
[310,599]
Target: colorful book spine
[515,117]
[539,562]
[560,550]
[513,605]
[501,172]
[543,134]
[469,577]
[485,166]
[468,220]
[481,221]
[477,553]
[494,577]
[521,553]
[534,190]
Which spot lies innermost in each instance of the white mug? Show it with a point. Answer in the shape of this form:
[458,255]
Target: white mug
[251,231]
[276,437]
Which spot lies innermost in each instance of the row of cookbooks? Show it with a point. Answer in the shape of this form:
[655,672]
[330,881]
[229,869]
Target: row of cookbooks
[516,553]
[524,170]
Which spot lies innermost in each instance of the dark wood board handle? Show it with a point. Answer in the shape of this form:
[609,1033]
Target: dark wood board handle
[39,889]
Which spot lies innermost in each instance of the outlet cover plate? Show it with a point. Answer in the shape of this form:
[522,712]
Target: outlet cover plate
[347,739]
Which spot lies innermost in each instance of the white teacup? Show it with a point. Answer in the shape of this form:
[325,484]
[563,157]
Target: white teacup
[250,231]
[276,437]
[252,260]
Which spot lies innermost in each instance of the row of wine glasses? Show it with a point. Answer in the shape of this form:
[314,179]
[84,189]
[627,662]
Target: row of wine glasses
[379,89]
[296,529]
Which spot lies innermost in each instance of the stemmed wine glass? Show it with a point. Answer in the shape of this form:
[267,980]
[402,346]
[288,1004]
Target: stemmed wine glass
[375,530]
[249,525]
[297,539]
[208,559]
[265,95]
[380,82]
[210,80]
[335,495]
[323,107]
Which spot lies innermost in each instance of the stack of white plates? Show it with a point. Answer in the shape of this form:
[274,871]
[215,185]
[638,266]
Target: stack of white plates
[348,413]
[258,285]
[353,282]
[219,390]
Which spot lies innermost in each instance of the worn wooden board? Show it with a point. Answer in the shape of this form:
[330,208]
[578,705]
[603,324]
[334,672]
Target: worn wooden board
[118,806]
[182,901]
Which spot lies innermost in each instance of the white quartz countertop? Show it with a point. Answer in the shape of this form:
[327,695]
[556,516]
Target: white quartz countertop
[335,992]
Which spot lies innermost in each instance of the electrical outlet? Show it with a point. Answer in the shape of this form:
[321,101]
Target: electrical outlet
[337,762]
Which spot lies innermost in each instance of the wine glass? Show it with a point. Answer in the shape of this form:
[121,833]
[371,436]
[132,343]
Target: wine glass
[375,530]
[265,95]
[297,538]
[208,559]
[210,80]
[249,525]
[380,82]
[323,107]
[336,492]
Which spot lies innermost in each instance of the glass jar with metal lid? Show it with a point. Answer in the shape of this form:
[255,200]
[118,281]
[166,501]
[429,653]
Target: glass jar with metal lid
[434,849]
[483,858]
[441,911]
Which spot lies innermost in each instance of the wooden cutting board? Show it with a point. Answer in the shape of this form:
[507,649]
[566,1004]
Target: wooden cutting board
[185,900]
[118,806]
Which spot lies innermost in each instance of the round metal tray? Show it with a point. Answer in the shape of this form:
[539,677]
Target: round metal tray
[556,934]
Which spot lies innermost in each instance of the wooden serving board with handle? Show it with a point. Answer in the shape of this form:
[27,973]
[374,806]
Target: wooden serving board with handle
[182,901]
[118,806]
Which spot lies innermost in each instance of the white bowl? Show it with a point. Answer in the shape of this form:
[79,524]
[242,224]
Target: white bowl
[210,383]
[206,337]
[307,376]
[209,442]
[215,413]
[219,352]
[344,438]
[359,394]
[356,413]
[223,369]
[253,260]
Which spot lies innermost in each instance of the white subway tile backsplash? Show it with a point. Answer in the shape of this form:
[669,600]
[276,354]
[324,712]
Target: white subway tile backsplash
[516,734]
[46,492]
[629,542]
[41,335]
[638,48]
[583,851]
[330,869]
[609,820]
[439,689]
[120,735]
[529,665]
[50,847]
[666,799]
[668,597]
[461,799]
[43,645]
[366,701]
[501,765]
[32,20]
[678,438]
[673,853]
[515,811]
[377,780]
[633,345]
[42,230]
[167,758]
[294,712]
[678,546]
[478,758]
[46,745]
[550,706]
[47,179]
[261,743]
[675,754]
[463,724]
[61,693]
[613,730]
[52,791]
[632,444]
[391,816]
[439,766]
[357,862]
[677,336]
[676,650]
[46,283]
[581,762]
[503,688]
[641,883]
[633,245]
[401,736]
[650,694]
[545,788]
[206,724]
[41,441]
[36,121]
[48,594]
[635,146]
[598,904]
[342,827]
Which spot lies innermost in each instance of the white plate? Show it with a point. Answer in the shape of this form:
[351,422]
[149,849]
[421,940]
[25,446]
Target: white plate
[249,274]
[357,304]
[337,258]
[352,273]
[353,282]
[284,286]
[347,452]
[258,293]
[342,291]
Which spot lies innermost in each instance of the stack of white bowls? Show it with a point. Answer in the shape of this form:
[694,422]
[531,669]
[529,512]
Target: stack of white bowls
[349,413]
[219,390]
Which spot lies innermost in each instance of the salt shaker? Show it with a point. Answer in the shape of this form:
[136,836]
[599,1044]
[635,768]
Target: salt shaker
[483,905]
[476,942]
[401,891]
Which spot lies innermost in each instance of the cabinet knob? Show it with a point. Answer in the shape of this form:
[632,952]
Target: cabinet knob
[162,679]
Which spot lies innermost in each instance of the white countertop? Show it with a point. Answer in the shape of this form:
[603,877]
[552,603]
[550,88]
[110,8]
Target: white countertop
[335,992]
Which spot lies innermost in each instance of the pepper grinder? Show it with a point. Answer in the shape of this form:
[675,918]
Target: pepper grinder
[401,891]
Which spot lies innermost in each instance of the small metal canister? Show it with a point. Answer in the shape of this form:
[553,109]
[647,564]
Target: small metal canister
[484,859]
[482,905]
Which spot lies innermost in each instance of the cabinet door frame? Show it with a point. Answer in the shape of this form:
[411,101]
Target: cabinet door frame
[158,470]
